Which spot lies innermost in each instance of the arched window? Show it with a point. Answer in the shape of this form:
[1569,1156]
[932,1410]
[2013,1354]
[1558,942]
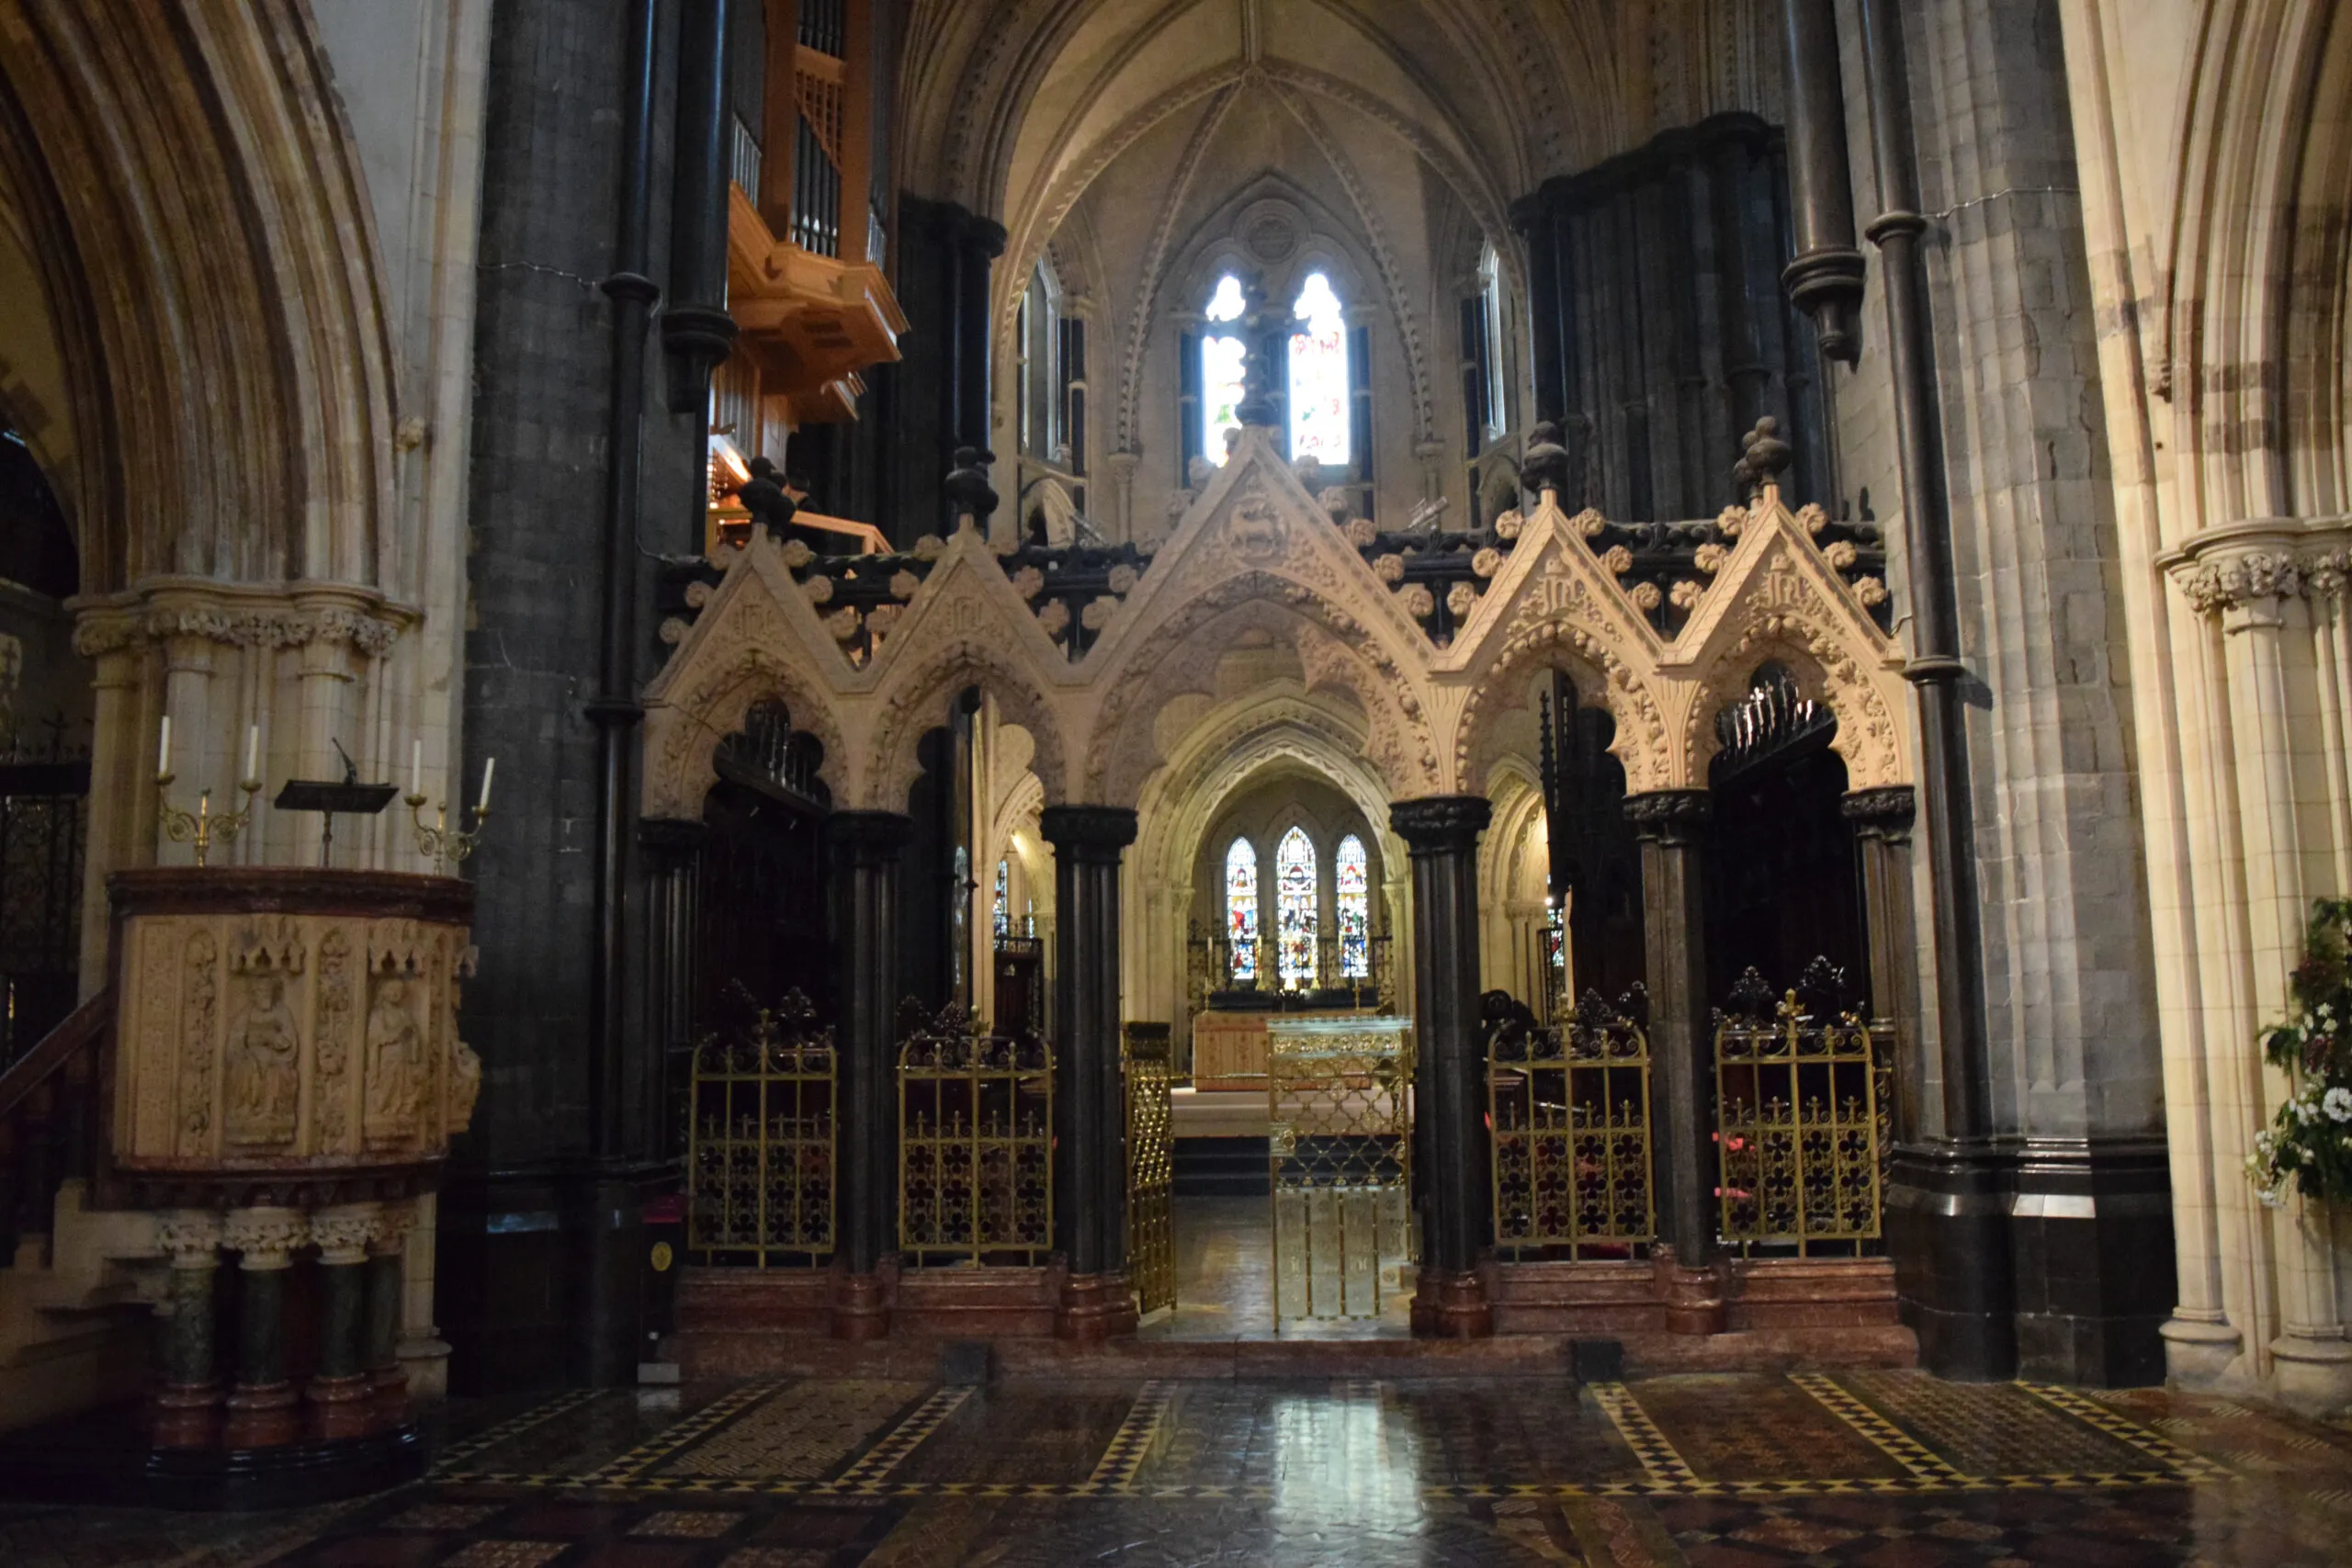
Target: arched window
[1241,908]
[1003,908]
[1354,881]
[1319,412]
[1295,907]
[1221,359]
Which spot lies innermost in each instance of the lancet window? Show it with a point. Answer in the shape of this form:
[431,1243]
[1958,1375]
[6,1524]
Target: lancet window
[1320,410]
[1241,908]
[1295,907]
[1002,910]
[1354,884]
[1323,390]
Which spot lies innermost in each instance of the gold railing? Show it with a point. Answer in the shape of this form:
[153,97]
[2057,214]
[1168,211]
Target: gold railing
[1803,1108]
[1341,1146]
[976,1147]
[1151,1168]
[760,1157]
[1570,1110]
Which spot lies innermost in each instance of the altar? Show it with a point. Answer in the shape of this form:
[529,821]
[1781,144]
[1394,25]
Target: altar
[1229,1047]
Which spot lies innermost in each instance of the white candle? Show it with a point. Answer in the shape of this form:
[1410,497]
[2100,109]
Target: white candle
[253,752]
[482,805]
[416,769]
[164,749]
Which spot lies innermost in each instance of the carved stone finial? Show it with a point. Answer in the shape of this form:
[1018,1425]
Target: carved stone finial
[1764,458]
[1545,466]
[967,486]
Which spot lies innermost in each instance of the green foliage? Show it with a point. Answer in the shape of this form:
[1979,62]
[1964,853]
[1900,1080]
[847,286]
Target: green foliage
[2309,1143]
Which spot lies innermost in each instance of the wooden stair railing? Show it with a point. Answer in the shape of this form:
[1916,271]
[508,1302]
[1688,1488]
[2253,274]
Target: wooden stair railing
[47,1117]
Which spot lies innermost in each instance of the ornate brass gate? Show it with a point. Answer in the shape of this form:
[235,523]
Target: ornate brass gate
[1802,1102]
[976,1146]
[1570,1110]
[1342,1151]
[761,1140]
[1151,1175]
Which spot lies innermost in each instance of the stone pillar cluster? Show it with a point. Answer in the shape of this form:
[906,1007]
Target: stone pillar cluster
[866,846]
[229,1378]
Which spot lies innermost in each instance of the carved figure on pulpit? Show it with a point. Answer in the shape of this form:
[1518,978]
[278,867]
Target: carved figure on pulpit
[263,1065]
[395,1065]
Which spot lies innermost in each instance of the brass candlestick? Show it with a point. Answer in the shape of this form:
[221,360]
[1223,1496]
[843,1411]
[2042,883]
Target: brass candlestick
[442,843]
[200,827]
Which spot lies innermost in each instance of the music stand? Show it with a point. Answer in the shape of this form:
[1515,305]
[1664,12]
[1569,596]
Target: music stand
[349,799]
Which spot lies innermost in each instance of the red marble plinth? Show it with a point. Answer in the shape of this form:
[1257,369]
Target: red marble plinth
[186,1415]
[1452,1307]
[1087,1310]
[262,1416]
[1120,1288]
[344,1407]
[387,1396]
[861,1308]
[1693,1296]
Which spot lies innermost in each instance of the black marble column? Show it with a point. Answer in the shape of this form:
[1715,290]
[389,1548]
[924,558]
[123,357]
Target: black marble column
[1441,832]
[670,853]
[978,242]
[262,1409]
[1824,279]
[866,846]
[338,1392]
[1882,819]
[187,1404]
[381,1332]
[1091,1168]
[1671,824]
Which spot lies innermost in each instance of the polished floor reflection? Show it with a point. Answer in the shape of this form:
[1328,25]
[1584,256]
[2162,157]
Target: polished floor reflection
[1888,1469]
[1225,1281]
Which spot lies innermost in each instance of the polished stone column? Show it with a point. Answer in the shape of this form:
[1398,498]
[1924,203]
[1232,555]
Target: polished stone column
[263,1408]
[1671,824]
[387,1284]
[866,847]
[1441,832]
[1089,1168]
[188,1405]
[1882,819]
[339,1393]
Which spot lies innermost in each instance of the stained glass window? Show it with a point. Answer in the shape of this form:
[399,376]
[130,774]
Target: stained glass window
[1241,908]
[1319,376]
[1003,898]
[1295,907]
[1220,371]
[1355,880]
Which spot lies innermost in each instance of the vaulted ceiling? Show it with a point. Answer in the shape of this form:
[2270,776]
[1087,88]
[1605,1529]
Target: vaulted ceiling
[1123,137]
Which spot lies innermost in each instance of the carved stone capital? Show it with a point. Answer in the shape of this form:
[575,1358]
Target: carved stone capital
[1085,831]
[342,1233]
[194,610]
[1441,824]
[1892,806]
[2241,578]
[389,1236]
[1671,816]
[267,1238]
[190,1237]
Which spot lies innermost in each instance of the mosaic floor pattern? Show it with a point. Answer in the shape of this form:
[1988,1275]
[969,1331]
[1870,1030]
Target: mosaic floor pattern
[1887,1470]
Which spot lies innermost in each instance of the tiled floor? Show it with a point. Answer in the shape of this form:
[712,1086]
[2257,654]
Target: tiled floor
[1888,1470]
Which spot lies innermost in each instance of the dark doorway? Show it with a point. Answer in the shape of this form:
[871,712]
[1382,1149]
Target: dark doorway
[763,870]
[1783,883]
[1595,866]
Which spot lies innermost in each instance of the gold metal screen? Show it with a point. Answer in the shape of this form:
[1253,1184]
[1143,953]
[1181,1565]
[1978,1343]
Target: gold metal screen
[760,1141]
[1802,1104]
[976,1118]
[1341,1147]
[1151,1172]
[1571,1111]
